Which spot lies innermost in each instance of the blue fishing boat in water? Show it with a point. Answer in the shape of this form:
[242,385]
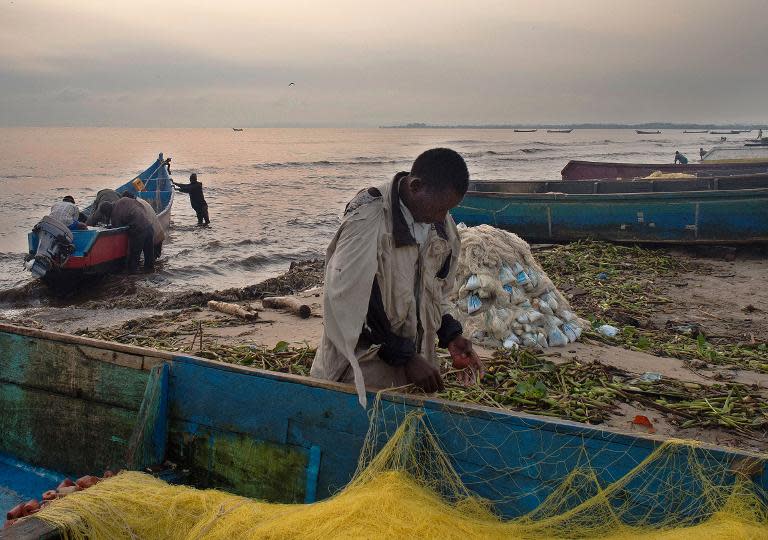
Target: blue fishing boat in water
[715,210]
[66,257]
[75,406]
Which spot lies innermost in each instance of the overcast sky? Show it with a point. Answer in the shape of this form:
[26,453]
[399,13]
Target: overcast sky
[367,63]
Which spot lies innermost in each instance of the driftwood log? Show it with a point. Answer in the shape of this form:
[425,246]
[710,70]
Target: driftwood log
[232,309]
[290,304]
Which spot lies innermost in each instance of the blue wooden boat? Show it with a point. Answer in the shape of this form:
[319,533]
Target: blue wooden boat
[74,255]
[724,210]
[74,406]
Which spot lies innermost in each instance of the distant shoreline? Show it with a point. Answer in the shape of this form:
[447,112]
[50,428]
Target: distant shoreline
[649,125]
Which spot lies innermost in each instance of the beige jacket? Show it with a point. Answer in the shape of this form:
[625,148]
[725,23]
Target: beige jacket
[374,241]
[157,227]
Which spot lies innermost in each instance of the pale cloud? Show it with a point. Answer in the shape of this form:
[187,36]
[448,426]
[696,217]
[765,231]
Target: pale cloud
[364,63]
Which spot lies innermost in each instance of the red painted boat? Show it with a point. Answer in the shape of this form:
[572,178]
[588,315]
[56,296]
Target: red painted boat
[71,255]
[594,170]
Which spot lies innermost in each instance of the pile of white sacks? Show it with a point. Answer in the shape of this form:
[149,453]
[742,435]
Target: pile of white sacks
[502,297]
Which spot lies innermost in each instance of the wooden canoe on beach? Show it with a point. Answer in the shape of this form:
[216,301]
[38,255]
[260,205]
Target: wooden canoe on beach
[75,406]
[645,132]
[526,130]
[559,130]
[715,210]
[591,170]
[100,250]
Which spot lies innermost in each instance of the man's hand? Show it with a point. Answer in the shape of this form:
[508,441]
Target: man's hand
[423,374]
[465,358]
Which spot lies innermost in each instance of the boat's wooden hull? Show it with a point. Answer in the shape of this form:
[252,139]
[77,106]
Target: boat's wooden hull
[591,170]
[699,217]
[71,405]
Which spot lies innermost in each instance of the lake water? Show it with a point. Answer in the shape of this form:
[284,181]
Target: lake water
[275,195]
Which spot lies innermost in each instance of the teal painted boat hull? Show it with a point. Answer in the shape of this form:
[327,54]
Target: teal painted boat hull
[287,438]
[714,217]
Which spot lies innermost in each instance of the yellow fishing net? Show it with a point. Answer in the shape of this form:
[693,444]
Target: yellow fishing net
[408,488]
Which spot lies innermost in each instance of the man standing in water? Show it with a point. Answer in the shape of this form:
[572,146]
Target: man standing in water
[196,198]
[388,272]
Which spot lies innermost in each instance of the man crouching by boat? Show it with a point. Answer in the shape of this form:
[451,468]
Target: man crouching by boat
[388,272]
[127,212]
[158,233]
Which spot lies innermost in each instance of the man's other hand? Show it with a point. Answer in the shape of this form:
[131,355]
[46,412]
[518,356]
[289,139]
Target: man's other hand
[423,374]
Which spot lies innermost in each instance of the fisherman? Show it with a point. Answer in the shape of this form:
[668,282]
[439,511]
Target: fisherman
[127,212]
[196,198]
[680,158]
[702,153]
[158,233]
[104,195]
[388,272]
[67,212]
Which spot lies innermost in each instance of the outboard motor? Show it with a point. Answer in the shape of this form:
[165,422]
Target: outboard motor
[53,248]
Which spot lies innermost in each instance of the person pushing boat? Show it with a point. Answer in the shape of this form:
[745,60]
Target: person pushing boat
[389,270]
[680,158]
[66,211]
[196,198]
[128,212]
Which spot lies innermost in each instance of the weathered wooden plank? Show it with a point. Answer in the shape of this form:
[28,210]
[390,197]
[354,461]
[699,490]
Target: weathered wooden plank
[239,463]
[63,433]
[31,529]
[100,354]
[80,340]
[149,362]
[79,371]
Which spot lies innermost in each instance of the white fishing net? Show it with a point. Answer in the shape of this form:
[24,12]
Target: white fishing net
[502,296]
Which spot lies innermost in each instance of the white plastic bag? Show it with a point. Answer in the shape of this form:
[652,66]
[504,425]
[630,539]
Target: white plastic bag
[506,275]
[511,342]
[473,303]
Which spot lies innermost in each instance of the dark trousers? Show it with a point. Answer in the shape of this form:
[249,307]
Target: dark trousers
[202,214]
[141,240]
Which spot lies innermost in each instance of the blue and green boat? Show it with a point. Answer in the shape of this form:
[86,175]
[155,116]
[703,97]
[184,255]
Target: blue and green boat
[709,210]
[73,406]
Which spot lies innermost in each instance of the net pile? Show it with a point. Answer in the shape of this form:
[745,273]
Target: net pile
[502,296]
[659,175]
[408,488]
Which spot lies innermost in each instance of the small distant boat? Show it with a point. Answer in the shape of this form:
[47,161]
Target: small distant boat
[644,132]
[237,129]
[559,130]
[695,131]
[526,130]
[725,132]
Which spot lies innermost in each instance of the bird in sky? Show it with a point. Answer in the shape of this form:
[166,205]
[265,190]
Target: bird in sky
[292,84]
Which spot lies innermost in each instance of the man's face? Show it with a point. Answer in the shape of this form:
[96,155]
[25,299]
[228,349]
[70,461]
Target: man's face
[431,206]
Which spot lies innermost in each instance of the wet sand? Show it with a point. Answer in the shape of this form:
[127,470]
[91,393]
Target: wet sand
[725,292]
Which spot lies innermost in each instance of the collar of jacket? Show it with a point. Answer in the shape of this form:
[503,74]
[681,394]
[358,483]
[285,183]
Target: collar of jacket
[400,230]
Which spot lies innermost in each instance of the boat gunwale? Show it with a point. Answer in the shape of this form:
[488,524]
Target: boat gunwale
[558,425]
[721,193]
